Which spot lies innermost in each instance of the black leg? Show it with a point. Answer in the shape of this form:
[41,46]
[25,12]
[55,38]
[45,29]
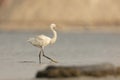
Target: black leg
[48,57]
[40,57]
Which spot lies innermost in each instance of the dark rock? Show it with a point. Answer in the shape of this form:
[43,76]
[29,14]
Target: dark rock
[99,70]
[54,71]
[118,71]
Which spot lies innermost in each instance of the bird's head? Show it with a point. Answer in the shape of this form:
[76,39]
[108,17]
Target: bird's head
[53,26]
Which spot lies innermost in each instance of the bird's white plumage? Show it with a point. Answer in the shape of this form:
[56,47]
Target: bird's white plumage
[41,41]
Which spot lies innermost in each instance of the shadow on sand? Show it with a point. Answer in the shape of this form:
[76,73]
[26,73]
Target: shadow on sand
[26,62]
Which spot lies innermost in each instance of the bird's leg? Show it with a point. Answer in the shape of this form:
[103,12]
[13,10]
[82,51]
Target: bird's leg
[48,57]
[40,56]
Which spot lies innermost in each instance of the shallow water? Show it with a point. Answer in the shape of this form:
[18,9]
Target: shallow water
[19,59]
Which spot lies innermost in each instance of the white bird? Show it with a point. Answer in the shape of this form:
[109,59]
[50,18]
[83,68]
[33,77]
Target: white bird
[41,41]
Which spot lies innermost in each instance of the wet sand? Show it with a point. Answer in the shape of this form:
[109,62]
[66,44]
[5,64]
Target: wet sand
[19,59]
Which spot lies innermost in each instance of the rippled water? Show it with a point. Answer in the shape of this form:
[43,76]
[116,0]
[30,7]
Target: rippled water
[19,59]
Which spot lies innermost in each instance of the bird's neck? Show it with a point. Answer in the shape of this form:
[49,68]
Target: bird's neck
[54,36]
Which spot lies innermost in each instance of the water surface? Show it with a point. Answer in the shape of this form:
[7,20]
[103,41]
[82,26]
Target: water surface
[19,59]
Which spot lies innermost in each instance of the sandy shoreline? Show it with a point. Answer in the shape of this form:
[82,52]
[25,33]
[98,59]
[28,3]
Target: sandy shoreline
[36,26]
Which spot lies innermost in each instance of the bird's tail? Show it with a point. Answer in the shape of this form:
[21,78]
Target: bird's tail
[30,40]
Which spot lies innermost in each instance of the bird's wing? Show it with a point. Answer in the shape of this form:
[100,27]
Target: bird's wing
[43,37]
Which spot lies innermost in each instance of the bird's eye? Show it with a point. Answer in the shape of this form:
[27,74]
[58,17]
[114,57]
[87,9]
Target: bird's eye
[54,27]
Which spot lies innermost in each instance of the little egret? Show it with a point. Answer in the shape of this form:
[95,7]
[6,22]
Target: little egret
[41,41]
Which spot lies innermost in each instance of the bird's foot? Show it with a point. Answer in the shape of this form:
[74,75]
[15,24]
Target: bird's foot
[54,61]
